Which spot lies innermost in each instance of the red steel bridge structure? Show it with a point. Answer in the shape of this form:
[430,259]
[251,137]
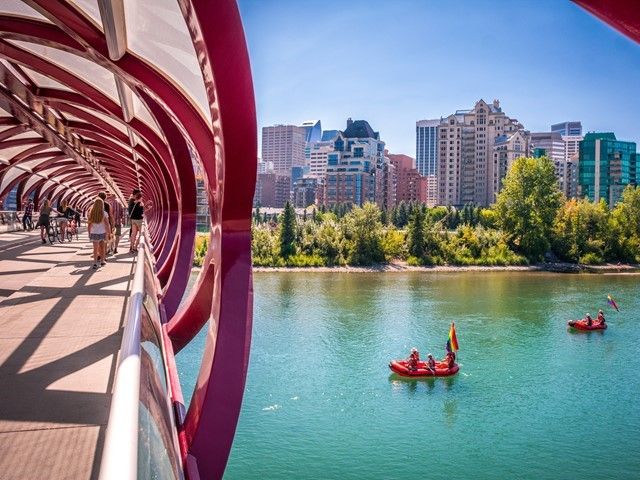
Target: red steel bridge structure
[113,95]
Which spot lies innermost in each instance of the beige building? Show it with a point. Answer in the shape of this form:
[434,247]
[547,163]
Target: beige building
[506,150]
[468,171]
[318,155]
[283,145]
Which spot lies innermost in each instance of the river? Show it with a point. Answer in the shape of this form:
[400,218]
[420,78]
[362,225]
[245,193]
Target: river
[531,401]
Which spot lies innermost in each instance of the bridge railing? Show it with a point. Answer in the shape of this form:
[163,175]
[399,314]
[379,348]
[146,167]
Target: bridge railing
[9,221]
[141,440]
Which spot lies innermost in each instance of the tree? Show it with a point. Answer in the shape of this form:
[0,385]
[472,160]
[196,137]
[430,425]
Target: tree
[416,233]
[288,232]
[384,217]
[580,231]
[527,205]
[402,217]
[625,221]
[364,230]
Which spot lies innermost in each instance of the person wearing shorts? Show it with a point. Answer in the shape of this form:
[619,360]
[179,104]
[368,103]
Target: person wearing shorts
[136,214]
[99,225]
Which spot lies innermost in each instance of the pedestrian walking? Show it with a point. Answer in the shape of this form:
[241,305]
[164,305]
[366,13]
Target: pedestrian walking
[28,213]
[136,214]
[98,223]
[43,220]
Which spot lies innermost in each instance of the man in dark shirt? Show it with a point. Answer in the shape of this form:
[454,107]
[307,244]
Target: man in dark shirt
[28,212]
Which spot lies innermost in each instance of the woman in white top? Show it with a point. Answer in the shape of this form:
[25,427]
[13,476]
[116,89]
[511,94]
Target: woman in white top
[98,222]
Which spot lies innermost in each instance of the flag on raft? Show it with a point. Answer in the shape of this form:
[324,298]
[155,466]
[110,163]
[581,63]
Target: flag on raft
[612,302]
[452,342]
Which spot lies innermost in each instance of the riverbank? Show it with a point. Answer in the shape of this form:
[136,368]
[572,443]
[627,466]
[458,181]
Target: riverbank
[404,267]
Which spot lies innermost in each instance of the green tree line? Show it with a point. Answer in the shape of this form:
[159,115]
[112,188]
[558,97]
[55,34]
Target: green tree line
[529,223]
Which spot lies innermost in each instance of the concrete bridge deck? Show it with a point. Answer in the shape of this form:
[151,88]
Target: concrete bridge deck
[60,331]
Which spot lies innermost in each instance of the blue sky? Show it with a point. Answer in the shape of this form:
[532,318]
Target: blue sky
[397,61]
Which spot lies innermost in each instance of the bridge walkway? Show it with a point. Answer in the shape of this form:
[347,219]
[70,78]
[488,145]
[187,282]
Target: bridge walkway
[60,331]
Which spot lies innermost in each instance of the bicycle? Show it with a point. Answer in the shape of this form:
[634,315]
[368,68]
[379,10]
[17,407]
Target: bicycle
[72,229]
[28,224]
[52,232]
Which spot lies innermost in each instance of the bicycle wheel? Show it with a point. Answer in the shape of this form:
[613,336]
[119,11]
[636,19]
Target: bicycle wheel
[51,234]
[69,234]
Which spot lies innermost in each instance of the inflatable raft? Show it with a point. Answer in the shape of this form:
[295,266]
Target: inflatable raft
[401,367]
[582,325]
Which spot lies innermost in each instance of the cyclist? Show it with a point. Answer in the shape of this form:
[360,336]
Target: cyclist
[63,219]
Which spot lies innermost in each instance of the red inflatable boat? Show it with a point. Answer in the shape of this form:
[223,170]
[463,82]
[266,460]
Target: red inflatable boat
[401,367]
[582,325]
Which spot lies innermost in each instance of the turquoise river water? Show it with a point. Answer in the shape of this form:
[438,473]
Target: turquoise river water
[531,401]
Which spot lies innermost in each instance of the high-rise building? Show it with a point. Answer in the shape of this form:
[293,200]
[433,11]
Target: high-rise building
[568,128]
[313,131]
[554,148]
[284,146]
[507,148]
[304,192]
[264,167]
[606,166]
[410,185]
[317,161]
[468,171]
[427,158]
[329,135]
[357,158]
[572,136]
[272,190]
[427,146]
[571,133]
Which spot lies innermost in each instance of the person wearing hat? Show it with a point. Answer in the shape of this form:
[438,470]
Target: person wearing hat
[414,358]
[601,317]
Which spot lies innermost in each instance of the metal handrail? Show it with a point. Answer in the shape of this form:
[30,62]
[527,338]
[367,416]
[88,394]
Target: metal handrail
[120,453]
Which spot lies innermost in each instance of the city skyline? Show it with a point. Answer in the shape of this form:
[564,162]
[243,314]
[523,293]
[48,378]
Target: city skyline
[305,68]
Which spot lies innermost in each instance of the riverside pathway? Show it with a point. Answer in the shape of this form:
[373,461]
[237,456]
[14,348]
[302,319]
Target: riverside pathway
[60,331]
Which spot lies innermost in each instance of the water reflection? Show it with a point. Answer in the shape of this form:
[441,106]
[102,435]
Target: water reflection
[410,384]
[450,410]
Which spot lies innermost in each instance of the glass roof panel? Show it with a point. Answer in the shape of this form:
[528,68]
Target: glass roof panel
[156,31]
[45,82]
[111,121]
[85,70]
[7,154]
[143,113]
[91,9]
[10,175]
[27,134]
[31,164]
[31,181]
[18,7]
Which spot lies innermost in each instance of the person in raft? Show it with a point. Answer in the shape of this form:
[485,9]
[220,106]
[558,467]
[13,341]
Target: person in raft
[601,317]
[589,320]
[449,359]
[431,363]
[414,357]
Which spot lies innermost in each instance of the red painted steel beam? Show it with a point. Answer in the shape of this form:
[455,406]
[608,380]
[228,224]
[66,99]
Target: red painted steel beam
[215,406]
[623,15]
